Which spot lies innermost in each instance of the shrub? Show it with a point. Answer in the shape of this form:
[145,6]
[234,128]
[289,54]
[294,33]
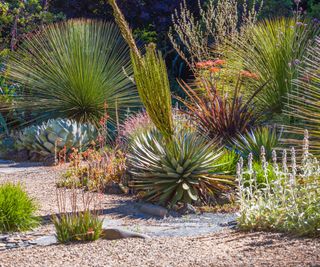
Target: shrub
[54,135]
[218,115]
[273,49]
[182,171]
[80,226]
[253,140]
[290,203]
[94,170]
[17,209]
[82,223]
[78,67]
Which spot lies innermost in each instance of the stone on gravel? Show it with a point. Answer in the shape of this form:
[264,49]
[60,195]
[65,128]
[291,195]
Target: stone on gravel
[45,241]
[114,234]
[187,209]
[154,210]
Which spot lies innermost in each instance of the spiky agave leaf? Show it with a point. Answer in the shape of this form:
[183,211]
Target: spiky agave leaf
[72,69]
[183,171]
[304,102]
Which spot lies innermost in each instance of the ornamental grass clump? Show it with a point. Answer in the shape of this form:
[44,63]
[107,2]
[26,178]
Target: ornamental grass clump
[17,209]
[290,203]
[75,224]
[72,70]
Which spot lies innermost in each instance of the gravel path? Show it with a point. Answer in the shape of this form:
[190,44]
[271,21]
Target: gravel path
[224,248]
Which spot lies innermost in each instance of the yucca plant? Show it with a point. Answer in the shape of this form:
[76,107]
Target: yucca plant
[182,172]
[252,141]
[273,49]
[304,101]
[151,77]
[74,70]
[220,116]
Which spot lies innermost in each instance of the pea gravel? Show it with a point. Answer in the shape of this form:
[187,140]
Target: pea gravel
[224,248]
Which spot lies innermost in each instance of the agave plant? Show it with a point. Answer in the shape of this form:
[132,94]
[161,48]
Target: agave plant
[273,49]
[304,101]
[54,135]
[183,171]
[220,116]
[74,70]
[252,141]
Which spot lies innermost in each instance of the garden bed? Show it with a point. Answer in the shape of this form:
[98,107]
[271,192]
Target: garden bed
[191,240]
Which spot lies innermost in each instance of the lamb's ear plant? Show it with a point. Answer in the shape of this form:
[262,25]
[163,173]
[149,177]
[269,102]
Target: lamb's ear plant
[289,203]
[151,78]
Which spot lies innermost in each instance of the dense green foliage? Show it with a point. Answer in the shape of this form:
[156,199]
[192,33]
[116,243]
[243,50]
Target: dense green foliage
[272,50]
[183,171]
[78,72]
[80,226]
[253,140]
[17,209]
[19,18]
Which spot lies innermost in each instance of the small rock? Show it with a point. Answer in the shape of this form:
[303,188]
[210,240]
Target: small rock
[22,155]
[187,209]
[45,241]
[154,210]
[114,234]
[3,237]
[11,245]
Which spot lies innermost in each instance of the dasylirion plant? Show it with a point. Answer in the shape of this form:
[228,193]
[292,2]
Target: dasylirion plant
[54,135]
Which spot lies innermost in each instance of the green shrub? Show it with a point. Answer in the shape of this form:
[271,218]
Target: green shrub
[227,163]
[17,209]
[272,50]
[77,226]
[182,171]
[253,140]
[289,203]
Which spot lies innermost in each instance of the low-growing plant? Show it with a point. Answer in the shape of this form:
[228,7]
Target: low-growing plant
[17,209]
[252,141]
[94,169]
[183,171]
[78,224]
[290,203]
[53,136]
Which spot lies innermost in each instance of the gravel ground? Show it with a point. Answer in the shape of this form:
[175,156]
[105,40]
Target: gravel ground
[226,248]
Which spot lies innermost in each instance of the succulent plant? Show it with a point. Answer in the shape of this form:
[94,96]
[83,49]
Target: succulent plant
[57,133]
[181,171]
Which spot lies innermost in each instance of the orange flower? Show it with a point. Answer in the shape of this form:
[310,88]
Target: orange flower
[219,62]
[214,69]
[249,74]
[205,64]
